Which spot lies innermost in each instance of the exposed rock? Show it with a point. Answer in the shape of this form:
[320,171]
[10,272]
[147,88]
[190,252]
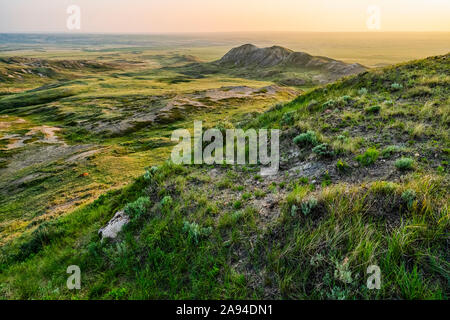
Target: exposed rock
[268,171]
[250,56]
[114,225]
[308,169]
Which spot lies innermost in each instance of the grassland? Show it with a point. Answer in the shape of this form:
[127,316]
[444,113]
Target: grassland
[71,129]
[363,180]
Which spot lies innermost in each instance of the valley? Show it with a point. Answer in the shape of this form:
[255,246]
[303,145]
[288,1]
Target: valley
[86,134]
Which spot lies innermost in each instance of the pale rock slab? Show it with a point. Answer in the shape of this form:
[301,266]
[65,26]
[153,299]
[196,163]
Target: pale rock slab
[114,225]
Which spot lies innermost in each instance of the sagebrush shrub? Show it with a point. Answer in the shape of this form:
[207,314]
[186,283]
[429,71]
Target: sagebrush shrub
[195,232]
[166,201]
[323,150]
[308,205]
[362,91]
[404,164]
[409,196]
[149,173]
[308,138]
[396,86]
[138,207]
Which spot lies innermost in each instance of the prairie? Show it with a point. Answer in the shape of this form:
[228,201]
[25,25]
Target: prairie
[85,133]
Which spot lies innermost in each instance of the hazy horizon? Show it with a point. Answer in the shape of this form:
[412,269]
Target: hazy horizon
[209,32]
[370,49]
[199,16]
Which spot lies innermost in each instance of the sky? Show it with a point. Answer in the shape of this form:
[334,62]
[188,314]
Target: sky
[164,16]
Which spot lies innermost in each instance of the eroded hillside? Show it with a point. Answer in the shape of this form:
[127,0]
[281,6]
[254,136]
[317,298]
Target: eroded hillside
[363,181]
[276,63]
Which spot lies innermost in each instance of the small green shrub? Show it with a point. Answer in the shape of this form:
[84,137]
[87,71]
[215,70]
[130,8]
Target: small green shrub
[409,196]
[323,150]
[312,105]
[404,164]
[373,109]
[342,166]
[362,91]
[149,173]
[369,157]
[237,204]
[308,138]
[329,104]
[342,138]
[326,180]
[195,232]
[346,99]
[166,201]
[343,272]
[288,118]
[40,237]
[118,294]
[389,151]
[138,207]
[308,206]
[396,86]
[303,180]
[294,210]
[246,196]
[237,216]
[225,183]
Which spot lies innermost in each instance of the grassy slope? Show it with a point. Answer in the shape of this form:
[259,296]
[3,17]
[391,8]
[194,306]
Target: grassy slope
[202,233]
[38,183]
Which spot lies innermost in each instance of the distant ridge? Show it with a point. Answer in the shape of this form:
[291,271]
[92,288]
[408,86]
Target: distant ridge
[250,56]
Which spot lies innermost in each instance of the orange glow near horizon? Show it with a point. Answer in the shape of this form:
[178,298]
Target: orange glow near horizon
[224,16]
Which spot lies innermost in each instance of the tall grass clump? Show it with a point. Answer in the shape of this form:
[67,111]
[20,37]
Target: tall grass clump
[369,157]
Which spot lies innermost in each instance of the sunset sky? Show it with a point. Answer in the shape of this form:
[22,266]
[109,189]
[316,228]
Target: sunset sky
[159,16]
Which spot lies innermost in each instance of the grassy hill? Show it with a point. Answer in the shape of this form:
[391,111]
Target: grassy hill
[364,180]
[278,64]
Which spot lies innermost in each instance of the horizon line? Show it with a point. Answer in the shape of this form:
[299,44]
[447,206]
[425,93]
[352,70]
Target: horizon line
[212,32]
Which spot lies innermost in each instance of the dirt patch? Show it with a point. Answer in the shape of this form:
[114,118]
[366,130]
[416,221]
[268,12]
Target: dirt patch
[82,155]
[42,134]
[49,134]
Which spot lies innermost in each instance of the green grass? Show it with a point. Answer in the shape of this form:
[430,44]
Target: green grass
[195,235]
[159,246]
[79,104]
[404,164]
[369,157]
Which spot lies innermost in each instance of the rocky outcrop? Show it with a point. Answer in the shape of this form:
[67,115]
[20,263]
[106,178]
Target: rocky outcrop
[250,56]
[114,226]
